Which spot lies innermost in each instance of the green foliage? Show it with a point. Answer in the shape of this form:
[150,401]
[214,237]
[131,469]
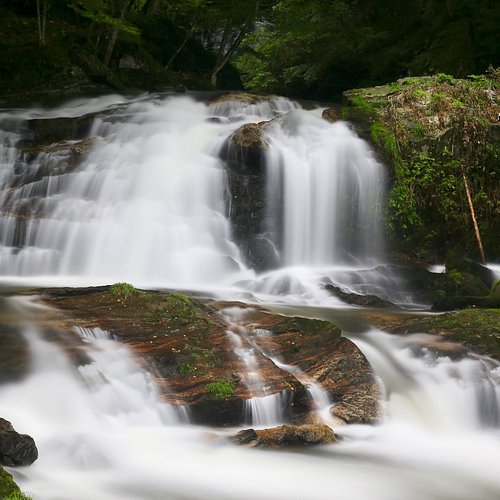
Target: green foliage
[444,78]
[8,488]
[123,290]
[479,80]
[385,139]
[221,390]
[17,495]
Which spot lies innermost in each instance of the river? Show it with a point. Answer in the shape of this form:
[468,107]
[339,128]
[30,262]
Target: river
[151,205]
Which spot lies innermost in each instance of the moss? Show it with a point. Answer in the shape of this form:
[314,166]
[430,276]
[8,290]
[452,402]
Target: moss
[8,488]
[478,329]
[123,290]
[221,390]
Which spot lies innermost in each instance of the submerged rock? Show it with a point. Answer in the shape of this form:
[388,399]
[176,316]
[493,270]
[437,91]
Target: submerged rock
[360,300]
[15,449]
[285,436]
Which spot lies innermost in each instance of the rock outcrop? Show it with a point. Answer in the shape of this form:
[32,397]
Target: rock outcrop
[15,449]
[285,436]
[184,344]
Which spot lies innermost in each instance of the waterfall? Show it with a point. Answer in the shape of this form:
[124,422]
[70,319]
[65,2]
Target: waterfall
[102,433]
[148,204]
[330,188]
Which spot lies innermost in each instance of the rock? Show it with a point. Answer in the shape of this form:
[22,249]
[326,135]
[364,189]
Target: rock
[360,300]
[285,436]
[463,265]
[15,449]
[470,330]
[330,115]
[184,344]
[241,97]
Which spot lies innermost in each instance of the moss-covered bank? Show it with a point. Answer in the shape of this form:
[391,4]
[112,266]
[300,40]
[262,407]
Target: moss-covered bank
[430,131]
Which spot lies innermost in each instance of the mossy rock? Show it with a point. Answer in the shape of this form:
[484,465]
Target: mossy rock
[477,329]
[8,487]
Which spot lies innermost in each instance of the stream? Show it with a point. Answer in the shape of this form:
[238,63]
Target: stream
[151,204]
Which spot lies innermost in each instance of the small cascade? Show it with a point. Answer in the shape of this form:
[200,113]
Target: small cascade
[263,408]
[463,394]
[319,397]
[119,387]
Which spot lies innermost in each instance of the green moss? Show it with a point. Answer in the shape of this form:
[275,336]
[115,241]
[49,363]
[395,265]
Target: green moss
[187,369]
[17,495]
[363,104]
[385,139]
[8,488]
[478,329]
[221,390]
[123,290]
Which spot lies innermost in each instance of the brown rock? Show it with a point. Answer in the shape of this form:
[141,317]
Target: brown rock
[251,135]
[330,115]
[285,435]
[243,97]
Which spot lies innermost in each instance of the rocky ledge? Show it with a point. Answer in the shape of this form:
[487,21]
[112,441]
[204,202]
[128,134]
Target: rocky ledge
[185,345]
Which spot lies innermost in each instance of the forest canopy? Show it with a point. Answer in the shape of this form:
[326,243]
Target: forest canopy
[306,48]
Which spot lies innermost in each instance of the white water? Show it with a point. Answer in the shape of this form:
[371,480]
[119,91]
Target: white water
[331,189]
[263,408]
[148,204]
[103,434]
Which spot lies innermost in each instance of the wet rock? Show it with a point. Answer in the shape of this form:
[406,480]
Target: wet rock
[454,334]
[286,436]
[246,148]
[241,97]
[360,300]
[15,449]
[42,131]
[330,115]
[184,344]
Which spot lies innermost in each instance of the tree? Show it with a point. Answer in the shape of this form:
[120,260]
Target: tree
[111,16]
[41,12]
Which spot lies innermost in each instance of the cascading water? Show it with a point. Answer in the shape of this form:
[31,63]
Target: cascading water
[148,203]
[331,189]
[263,408]
[103,434]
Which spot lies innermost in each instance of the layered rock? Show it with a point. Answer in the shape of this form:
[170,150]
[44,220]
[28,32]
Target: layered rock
[184,344]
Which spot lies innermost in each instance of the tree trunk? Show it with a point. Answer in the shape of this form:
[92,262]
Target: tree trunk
[114,34]
[181,46]
[473,217]
[223,56]
[41,15]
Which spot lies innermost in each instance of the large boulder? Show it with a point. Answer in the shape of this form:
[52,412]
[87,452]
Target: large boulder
[184,344]
[285,436]
[15,449]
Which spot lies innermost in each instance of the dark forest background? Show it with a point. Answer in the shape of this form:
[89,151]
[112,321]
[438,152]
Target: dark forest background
[302,48]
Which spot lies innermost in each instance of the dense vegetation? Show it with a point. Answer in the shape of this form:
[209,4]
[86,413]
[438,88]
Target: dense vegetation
[440,135]
[307,48]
